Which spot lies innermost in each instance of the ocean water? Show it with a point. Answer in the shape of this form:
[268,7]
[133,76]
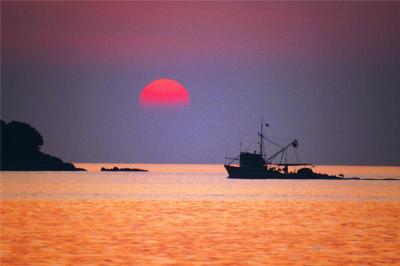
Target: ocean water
[194,215]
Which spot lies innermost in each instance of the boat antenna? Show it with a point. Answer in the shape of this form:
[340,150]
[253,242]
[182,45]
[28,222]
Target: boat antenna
[261,134]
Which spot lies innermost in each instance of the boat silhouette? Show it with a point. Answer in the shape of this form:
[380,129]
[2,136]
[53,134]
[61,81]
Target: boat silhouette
[257,166]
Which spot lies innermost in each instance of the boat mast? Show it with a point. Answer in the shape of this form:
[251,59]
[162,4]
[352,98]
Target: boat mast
[261,137]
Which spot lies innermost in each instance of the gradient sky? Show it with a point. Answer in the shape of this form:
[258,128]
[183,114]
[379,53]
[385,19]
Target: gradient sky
[324,73]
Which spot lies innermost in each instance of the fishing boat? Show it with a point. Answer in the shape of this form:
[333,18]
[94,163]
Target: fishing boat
[257,165]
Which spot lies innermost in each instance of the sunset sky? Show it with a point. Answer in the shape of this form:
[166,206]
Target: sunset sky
[324,73]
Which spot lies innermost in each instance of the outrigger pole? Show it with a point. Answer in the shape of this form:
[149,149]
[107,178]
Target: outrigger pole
[294,143]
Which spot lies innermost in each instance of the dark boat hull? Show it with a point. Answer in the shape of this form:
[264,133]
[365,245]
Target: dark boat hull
[262,173]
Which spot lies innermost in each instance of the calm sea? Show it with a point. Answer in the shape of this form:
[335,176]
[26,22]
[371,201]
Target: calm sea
[194,215]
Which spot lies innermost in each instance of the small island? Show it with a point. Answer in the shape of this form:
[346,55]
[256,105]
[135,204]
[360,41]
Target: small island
[116,169]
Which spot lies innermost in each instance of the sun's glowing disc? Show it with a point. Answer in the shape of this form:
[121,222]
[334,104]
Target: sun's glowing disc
[164,93]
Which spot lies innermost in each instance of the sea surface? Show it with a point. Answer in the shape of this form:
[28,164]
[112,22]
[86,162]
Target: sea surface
[194,215]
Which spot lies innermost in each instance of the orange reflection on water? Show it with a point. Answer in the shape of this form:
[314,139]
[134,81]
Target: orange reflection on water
[74,232]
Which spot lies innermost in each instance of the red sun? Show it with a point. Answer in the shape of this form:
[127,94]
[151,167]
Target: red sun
[164,93]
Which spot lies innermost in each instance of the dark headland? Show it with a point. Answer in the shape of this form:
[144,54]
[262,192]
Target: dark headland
[20,150]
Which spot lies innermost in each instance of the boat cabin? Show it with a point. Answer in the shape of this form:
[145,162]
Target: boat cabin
[251,160]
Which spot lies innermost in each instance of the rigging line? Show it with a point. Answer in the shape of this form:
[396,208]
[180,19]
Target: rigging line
[242,143]
[296,155]
[281,138]
[276,144]
[245,138]
[247,149]
[245,141]
[249,138]
[286,152]
[237,157]
[251,129]
[280,161]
